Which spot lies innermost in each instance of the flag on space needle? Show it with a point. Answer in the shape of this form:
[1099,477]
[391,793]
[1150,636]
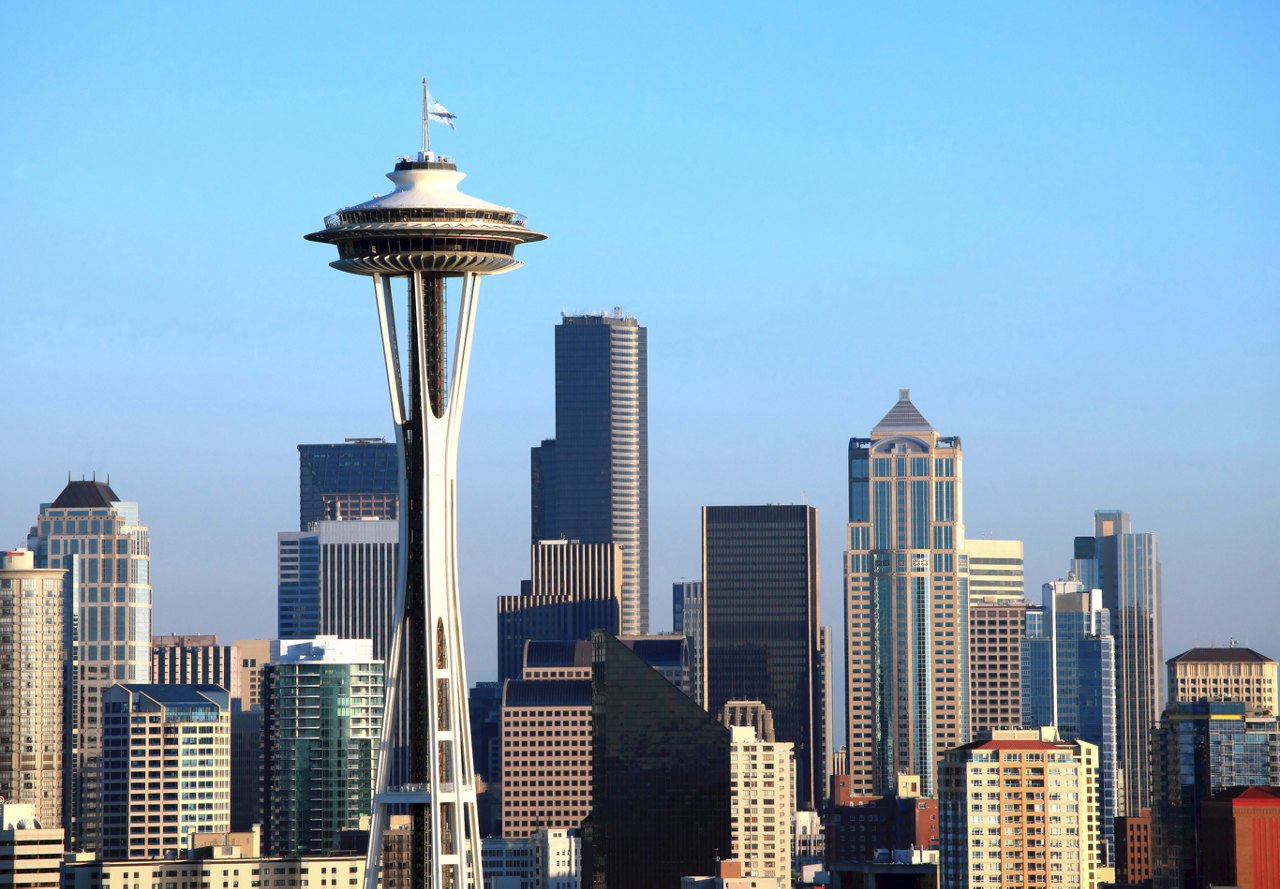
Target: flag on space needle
[441,114]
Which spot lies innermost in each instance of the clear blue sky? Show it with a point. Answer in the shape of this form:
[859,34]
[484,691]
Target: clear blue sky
[1057,223]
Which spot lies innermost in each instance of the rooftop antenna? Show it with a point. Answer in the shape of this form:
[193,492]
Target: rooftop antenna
[425,153]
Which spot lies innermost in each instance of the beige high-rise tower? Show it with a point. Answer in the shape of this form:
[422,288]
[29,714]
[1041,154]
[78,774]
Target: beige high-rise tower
[906,602]
[31,685]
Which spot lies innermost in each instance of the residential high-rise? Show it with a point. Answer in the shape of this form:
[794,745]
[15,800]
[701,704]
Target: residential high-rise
[1019,807]
[322,718]
[425,232]
[166,768]
[546,754]
[1202,748]
[30,850]
[105,550]
[995,570]
[1225,674]
[574,588]
[906,601]
[358,479]
[763,800]
[195,660]
[996,629]
[1070,683]
[32,686]
[1125,566]
[654,750]
[686,614]
[760,610]
[591,482]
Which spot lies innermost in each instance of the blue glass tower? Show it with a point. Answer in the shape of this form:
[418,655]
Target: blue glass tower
[358,479]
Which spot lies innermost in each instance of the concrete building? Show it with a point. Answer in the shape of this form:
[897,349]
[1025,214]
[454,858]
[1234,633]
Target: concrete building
[763,803]
[1242,838]
[996,570]
[1225,674]
[30,851]
[33,649]
[166,768]
[1020,808]
[1126,567]
[858,827]
[255,654]
[591,482]
[546,755]
[105,550]
[749,713]
[686,615]
[322,721]
[996,629]
[732,873]
[907,601]
[358,479]
[195,660]
[574,588]
[545,859]
[760,595]
[1133,848]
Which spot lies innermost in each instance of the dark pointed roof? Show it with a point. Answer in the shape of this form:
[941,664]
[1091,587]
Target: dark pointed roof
[903,417]
[85,495]
[1220,655]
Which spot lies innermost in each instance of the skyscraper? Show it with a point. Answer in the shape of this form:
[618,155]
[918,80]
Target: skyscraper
[32,685]
[995,570]
[322,718]
[906,601]
[760,775]
[1225,674]
[1125,566]
[996,629]
[195,660]
[760,609]
[686,615]
[591,482]
[358,479]
[105,550]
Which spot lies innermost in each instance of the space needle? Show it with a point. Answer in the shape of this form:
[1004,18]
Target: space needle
[426,231]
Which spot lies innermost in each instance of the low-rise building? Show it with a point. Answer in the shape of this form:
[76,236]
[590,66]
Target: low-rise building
[30,852]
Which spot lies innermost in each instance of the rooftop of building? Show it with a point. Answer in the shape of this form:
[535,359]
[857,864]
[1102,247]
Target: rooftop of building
[548,693]
[85,495]
[547,653]
[181,695]
[1226,655]
[903,417]
[657,651]
[1253,795]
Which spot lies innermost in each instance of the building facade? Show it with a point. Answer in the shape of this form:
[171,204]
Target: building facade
[255,654]
[195,660]
[100,543]
[1019,808]
[1126,567]
[996,630]
[763,803]
[322,721]
[760,595]
[996,570]
[33,631]
[686,615]
[546,755]
[1133,848]
[573,589]
[591,482]
[1225,674]
[358,479]
[857,828]
[906,601]
[1242,838]
[30,850]
[166,768]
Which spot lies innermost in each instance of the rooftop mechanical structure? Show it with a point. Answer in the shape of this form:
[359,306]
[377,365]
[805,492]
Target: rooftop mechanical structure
[427,231]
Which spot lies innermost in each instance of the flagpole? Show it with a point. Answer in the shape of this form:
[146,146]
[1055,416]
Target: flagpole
[426,130]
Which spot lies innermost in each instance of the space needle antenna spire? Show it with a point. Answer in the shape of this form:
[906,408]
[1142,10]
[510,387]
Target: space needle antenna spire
[426,127]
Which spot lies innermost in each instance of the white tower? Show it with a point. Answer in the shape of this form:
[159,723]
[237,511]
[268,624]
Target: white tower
[426,231]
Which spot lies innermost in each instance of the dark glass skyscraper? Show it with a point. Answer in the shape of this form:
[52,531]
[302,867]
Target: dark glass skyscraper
[660,778]
[760,601]
[591,482]
[358,479]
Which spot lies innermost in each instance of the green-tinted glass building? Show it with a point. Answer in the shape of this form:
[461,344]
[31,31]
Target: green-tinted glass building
[322,719]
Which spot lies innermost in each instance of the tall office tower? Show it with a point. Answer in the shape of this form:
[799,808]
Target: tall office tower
[358,479]
[995,570]
[32,685]
[255,654]
[322,703]
[158,739]
[591,482]
[996,629]
[427,231]
[1125,567]
[484,706]
[246,767]
[825,754]
[195,660]
[1020,808]
[654,750]
[30,850]
[906,601]
[760,608]
[546,754]
[686,614]
[574,588]
[1242,837]
[1070,683]
[1202,748]
[98,540]
[764,802]
[1225,674]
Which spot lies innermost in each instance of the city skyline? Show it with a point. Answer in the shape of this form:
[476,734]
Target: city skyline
[1050,226]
